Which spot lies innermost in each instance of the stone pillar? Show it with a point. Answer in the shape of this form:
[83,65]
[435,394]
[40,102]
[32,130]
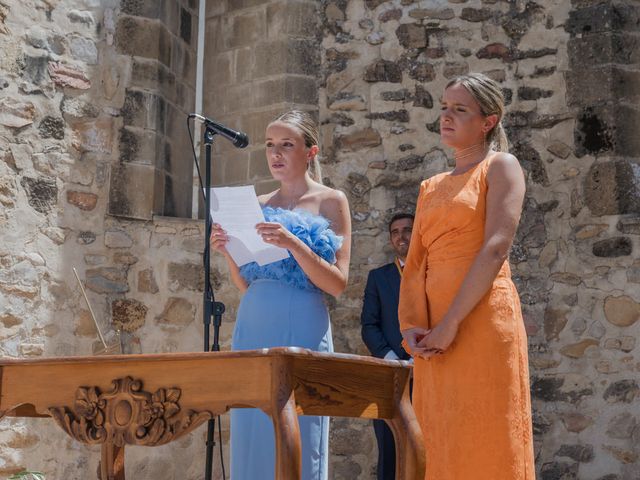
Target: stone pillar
[154,170]
[263,58]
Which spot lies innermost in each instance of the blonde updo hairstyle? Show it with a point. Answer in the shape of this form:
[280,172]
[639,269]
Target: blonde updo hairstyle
[307,126]
[488,95]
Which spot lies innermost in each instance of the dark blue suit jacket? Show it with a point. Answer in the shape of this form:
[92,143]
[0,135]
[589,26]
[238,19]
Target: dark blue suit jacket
[379,318]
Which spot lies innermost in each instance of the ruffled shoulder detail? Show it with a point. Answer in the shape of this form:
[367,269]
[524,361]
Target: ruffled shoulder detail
[313,230]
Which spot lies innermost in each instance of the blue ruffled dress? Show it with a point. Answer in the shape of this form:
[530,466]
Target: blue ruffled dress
[282,308]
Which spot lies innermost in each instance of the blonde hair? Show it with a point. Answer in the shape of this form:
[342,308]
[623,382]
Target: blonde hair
[488,95]
[305,123]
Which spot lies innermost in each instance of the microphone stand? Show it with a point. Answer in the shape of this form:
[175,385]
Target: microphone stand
[210,307]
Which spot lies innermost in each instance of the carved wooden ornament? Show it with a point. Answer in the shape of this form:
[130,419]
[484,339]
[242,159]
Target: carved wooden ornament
[127,415]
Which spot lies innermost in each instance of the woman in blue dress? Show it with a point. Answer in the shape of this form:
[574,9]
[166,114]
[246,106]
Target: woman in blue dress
[283,302]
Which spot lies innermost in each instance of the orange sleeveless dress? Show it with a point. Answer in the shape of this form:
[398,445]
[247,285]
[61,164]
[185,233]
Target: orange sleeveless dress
[473,402]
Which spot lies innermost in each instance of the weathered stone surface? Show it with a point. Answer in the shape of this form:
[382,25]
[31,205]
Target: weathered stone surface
[610,188]
[117,239]
[86,237]
[392,116]
[177,313]
[51,127]
[435,13]
[360,139]
[577,350]
[622,391]
[128,315]
[16,114]
[383,71]
[41,192]
[83,200]
[94,135]
[559,471]
[576,422]
[412,35]
[533,93]
[623,455]
[495,50]
[622,426]
[555,319]
[389,15]
[476,14]
[107,280]
[579,453]
[553,388]
[629,225]
[613,247]
[621,311]
[66,76]
[185,276]
[147,282]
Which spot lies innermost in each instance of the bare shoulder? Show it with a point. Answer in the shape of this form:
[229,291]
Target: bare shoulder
[334,205]
[264,199]
[504,165]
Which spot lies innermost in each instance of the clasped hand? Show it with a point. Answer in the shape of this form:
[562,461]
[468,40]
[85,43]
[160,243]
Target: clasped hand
[272,233]
[426,343]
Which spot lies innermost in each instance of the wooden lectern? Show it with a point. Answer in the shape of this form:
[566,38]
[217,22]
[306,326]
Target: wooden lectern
[154,399]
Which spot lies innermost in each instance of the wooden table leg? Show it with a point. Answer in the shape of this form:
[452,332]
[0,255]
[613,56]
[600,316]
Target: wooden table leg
[285,425]
[112,462]
[410,453]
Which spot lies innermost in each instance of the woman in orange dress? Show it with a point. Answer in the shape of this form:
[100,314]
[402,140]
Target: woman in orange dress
[459,310]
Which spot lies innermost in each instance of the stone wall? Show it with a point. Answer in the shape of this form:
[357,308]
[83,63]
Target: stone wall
[569,72]
[92,101]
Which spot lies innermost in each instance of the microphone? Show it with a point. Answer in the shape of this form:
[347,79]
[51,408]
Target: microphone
[239,139]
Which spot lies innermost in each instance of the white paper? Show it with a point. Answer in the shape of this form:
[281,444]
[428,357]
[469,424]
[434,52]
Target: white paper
[237,210]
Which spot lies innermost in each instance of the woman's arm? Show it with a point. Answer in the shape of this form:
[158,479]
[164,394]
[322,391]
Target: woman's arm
[327,277]
[413,313]
[505,194]
[218,243]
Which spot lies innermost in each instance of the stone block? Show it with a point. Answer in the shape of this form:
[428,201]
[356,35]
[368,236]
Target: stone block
[141,8]
[603,18]
[16,114]
[185,276]
[360,139]
[236,167]
[187,27]
[42,193]
[51,127]
[383,71]
[128,314]
[170,15]
[176,315]
[621,311]
[603,49]
[622,391]
[65,76]
[258,165]
[412,35]
[236,5]
[393,14]
[292,19]
[147,282]
[140,146]
[144,110]
[613,247]
[595,86]
[143,37]
[244,29]
[107,280]
[294,56]
[285,89]
[83,200]
[611,188]
[219,71]
[131,194]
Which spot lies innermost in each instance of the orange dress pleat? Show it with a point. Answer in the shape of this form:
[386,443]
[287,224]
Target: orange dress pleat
[473,402]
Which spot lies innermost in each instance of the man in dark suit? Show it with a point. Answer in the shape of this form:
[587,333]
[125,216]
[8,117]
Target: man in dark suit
[380,328]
